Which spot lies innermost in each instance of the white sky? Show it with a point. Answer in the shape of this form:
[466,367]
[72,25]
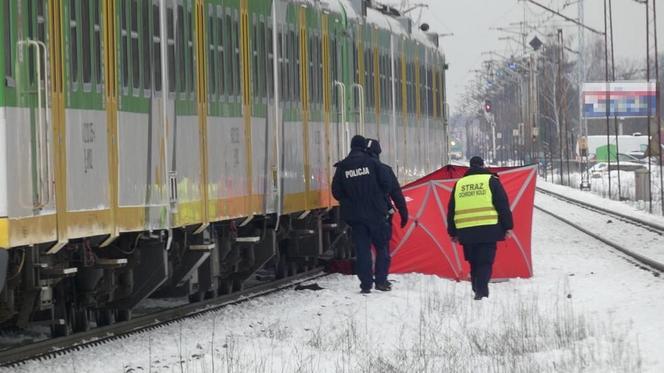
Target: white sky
[471,20]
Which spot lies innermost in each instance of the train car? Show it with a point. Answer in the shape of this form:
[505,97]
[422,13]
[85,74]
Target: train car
[177,147]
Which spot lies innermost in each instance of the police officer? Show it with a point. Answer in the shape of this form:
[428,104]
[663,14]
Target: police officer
[360,184]
[394,195]
[478,216]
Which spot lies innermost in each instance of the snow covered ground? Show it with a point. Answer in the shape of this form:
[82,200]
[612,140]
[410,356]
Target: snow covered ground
[586,309]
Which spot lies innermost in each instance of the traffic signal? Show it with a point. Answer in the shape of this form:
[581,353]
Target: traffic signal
[487,106]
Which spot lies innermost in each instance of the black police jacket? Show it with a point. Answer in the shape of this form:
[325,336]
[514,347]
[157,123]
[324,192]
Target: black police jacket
[360,184]
[485,233]
[395,193]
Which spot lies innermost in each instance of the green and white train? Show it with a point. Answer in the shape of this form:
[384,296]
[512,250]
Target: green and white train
[177,147]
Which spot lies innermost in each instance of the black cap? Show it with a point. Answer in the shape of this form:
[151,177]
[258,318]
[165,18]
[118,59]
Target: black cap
[358,141]
[476,162]
[373,146]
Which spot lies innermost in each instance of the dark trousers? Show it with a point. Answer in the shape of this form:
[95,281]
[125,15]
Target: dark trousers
[363,237]
[481,257]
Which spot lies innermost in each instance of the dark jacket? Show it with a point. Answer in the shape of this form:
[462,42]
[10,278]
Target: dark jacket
[360,184]
[486,233]
[395,193]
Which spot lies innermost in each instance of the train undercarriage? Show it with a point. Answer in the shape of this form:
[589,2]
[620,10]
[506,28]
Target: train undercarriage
[85,285]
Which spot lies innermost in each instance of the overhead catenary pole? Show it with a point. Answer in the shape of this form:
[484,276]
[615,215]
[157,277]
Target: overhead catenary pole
[615,116]
[607,97]
[658,109]
[560,107]
[649,102]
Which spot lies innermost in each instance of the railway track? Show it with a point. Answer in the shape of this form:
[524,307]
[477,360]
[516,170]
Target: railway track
[51,348]
[656,265]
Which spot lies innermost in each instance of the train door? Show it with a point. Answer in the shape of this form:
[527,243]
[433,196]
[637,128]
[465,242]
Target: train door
[31,121]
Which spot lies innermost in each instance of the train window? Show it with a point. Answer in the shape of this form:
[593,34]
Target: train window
[170,35]
[264,55]
[286,78]
[236,47]
[282,65]
[270,59]
[191,80]
[9,62]
[179,50]
[310,94]
[135,59]
[145,45]
[293,70]
[220,68]
[212,52]
[319,60]
[298,77]
[254,57]
[97,41]
[31,35]
[73,43]
[156,46]
[228,64]
[86,42]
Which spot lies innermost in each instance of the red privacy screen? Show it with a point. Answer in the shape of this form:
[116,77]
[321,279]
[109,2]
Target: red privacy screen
[424,246]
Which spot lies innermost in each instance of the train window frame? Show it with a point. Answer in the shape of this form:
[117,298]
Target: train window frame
[8,45]
[191,58]
[281,60]
[230,56]
[180,53]
[146,58]
[211,50]
[237,58]
[289,81]
[297,56]
[73,46]
[270,60]
[310,94]
[97,31]
[134,40]
[263,58]
[170,46]
[155,46]
[254,69]
[86,44]
[221,51]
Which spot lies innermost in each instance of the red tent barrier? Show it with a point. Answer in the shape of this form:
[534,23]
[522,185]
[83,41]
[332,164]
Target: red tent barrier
[424,246]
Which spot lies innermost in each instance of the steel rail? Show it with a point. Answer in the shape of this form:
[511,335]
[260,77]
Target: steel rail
[653,264]
[654,227]
[52,348]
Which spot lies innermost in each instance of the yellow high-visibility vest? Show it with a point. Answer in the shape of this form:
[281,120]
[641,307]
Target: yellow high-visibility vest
[473,202]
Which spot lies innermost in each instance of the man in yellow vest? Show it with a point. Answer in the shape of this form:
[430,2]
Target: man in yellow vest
[478,216]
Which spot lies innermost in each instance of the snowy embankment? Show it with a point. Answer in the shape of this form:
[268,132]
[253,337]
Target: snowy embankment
[586,309]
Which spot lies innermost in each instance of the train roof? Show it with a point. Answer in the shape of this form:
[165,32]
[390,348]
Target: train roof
[374,17]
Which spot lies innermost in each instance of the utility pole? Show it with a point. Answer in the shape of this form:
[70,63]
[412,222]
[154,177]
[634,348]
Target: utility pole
[615,117]
[649,102]
[607,98]
[658,110]
[561,109]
